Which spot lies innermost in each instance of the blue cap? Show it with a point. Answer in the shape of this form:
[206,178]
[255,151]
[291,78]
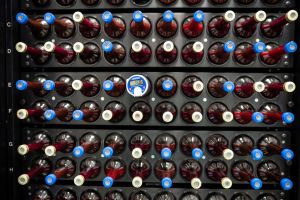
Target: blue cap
[257,154]
[167,85]
[168,16]
[49,85]
[137,16]
[256,183]
[22,18]
[21,85]
[199,16]
[77,115]
[166,153]
[50,179]
[49,115]
[288,117]
[107,46]
[287,154]
[166,183]
[228,86]
[78,151]
[286,184]
[257,117]
[197,153]
[259,47]
[107,17]
[290,47]
[108,182]
[108,85]
[229,46]
[49,18]
[108,152]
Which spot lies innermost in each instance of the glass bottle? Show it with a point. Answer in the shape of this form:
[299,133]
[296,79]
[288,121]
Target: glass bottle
[218,145]
[165,112]
[38,143]
[139,145]
[219,86]
[191,112]
[114,86]
[192,53]
[64,142]
[114,52]
[167,26]
[63,111]
[89,143]
[114,169]
[36,85]
[193,26]
[191,170]
[165,144]
[88,85]
[36,111]
[114,26]
[165,170]
[192,86]
[140,52]
[36,52]
[63,52]
[89,168]
[218,113]
[166,53]
[245,87]
[89,52]
[245,53]
[114,144]
[273,86]
[114,111]
[64,27]
[219,26]
[89,27]
[140,112]
[62,85]
[190,145]
[166,86]
[216,170]
[139,169]
[140,26]
[219,52]
[89,112]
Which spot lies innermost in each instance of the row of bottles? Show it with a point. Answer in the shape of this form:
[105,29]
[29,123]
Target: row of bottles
[164,170]
[166,26]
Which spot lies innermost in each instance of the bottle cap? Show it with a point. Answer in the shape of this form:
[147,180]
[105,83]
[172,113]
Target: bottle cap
[137,116]
[259,47]
[79,180]
[166,153]
[168,46]
[78,47]
[107,17]
[107,46]
[289,86]
[166,183]
[168,16]
[21,85]
[23,179]
[108,182]
[291,16]
[49,47]
[77,115]
[228,154]
[259,86]
[137,85]
[260,16]
[198,86]
[49,115]
[229,46]
[78,17]
[108,152]
[137,16]
[78,151]
[50,179]
[22,18]
[198,47]
[22,114]
[226,183]
[137,153]
[108,85]
[49,85]
[287,154]
[290,47]
[137,46]
[197,117]
[49,18]
[257,154]
[227,116]
[21,47]
[50,150]
[197,153]
[257,117]
[77,85]
[288,117]
[196,183]
[256,183]
[107,115]
[167,85]
[23,149]
[199,16]
[137,182]
[286,184]
[167,117]
[229,16]
[228,86]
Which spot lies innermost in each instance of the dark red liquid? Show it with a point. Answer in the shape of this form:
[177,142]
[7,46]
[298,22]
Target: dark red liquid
[141,29]
[39,142]
[64,111]
[165,141]
[40,29]
[63,86]
[142,107]
[163,107]
[36,85]
[190,56]
[192,2]
[116,142]
[90,2]
[91,111]
[190,169]
[273,87]
[89,27]
[245,26]
[242,113]
[90,143]
[118,111]
[187,86]
[271,112]
[273,26]
[244,54]
[217,54]
[41,2]
[245,2]
[115,168]
[191,28]
[89,168]
[65,2]
[166,29]
[242,145]
[241,196]
[216,170]
[37,110]
[90,194]
[242,171]
[165,168]
[66,194]
[187,111]
[215,112]
[39,167]
[117,55]
[273,55]
[189,142]
[91,53]
[42,194]
[141,141]
[113,195]
[64,142]
[215,86]
[165,195]
[271,2]
[269,145]
[115,2]
[119,86]
[165,57]
[159,88]
[64,53]
[216,196]
[65,168]
[116,28]
[216,144]
[91,86]
[142,56]
[64,27]
[269,171]
[38,54]
[140,168]
[139,195]
[218,1]
[244,87]
[190,196]
[167,2]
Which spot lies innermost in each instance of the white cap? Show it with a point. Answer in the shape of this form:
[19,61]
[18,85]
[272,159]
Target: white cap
[137,46]
[198,86]
[137,153]
[23,149]
[196,183]
[78,47]
[168,46]
[79,180]
[226,183]
[167,117]
[23,179]
[291,16]
[78,17]
[22,114]
[77,84]
[107,115]
[228,154]
[229,16]
[260,16]
[259,86]
[21,47]
[50,150]
[289,86]
[198,47]
[49,46]
[197,116]
[137,116]
[137,182]
[227,116]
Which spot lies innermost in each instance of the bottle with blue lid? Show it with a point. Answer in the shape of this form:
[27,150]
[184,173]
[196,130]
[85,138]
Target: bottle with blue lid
[36,85]
[114,86]
[165,144]
[190,145]
[114,26]
[63,111]
[167,26]
[89,143]
[140,26]
[166,86]
[193,26]
[89,111]
[219,86]
[246,53]
[114,169]
[165,171]
[273,114]
[114,52]
[219,53]
[114,145]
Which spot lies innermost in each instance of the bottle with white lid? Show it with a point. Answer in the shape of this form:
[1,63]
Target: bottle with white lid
[166,53]
[190,170]
[139,145]
[219,26]
[218,113]
[39,142]
[139,169]
[217,170]
[191,112]
[89,168]
[165,112]
[192,86]
[140,112]
[218,145]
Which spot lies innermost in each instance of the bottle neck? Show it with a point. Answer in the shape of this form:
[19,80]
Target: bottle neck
[88,24]
[90,171]
[249,22]
[278,23]
[273,115]
[33,51]
[35,24]
[115,173]
[220,23]
[61,51]
[60,172]
[35,85]
[36,146]
[246,175]
[61,112]
[193,25]
[245,87]
[277,53]
[275,86]
[37,171]
[35,112]
[245,115]
[59,146]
